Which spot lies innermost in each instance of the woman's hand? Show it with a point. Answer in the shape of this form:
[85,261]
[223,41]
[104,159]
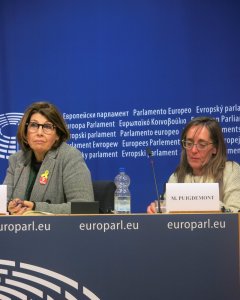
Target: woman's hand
[16,207]
[29,205]
[151,209]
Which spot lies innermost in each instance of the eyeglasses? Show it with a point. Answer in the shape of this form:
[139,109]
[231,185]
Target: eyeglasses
[47,127]
[200,146]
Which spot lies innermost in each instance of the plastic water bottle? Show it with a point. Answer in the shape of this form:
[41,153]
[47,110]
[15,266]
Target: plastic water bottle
[122,197]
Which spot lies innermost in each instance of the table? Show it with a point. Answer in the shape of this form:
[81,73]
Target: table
[120,257]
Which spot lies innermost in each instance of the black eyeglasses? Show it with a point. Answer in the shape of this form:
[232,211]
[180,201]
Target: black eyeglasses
[47,127]
[200,146]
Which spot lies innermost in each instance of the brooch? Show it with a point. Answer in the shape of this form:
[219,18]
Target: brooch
[44,177]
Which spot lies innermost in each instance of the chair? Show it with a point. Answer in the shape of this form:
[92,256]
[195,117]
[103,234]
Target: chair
[104,194]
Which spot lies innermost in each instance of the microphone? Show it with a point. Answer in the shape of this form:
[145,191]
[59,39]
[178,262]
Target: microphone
[150,155]
[14,187]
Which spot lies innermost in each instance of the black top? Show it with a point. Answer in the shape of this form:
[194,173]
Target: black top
[35,166]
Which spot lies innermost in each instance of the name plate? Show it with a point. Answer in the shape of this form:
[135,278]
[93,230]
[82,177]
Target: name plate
[3,199]
[192,197]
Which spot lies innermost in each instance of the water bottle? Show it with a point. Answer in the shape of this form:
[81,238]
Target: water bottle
[122,197]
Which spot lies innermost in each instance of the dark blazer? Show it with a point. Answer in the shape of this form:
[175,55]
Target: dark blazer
[62,178]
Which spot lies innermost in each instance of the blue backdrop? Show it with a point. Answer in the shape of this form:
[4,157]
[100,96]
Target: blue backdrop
[125,74]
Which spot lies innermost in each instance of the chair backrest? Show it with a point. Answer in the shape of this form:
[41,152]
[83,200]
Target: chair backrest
[104,194]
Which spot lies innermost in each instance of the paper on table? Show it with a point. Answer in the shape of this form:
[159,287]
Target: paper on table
[3,199]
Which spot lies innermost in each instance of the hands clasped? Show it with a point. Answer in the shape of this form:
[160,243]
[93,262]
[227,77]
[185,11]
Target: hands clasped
[18,206]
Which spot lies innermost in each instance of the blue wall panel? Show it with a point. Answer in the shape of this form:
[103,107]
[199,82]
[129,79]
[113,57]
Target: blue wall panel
[112,56]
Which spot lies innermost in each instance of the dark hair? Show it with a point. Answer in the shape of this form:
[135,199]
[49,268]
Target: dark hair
[214,168]
[49,111]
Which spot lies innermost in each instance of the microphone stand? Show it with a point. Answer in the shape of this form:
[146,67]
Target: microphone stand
[149,152]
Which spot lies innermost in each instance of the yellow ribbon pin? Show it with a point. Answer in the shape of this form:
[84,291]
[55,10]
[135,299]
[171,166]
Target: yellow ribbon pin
[45,174]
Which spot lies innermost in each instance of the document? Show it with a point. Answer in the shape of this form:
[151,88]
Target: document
[3,199]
